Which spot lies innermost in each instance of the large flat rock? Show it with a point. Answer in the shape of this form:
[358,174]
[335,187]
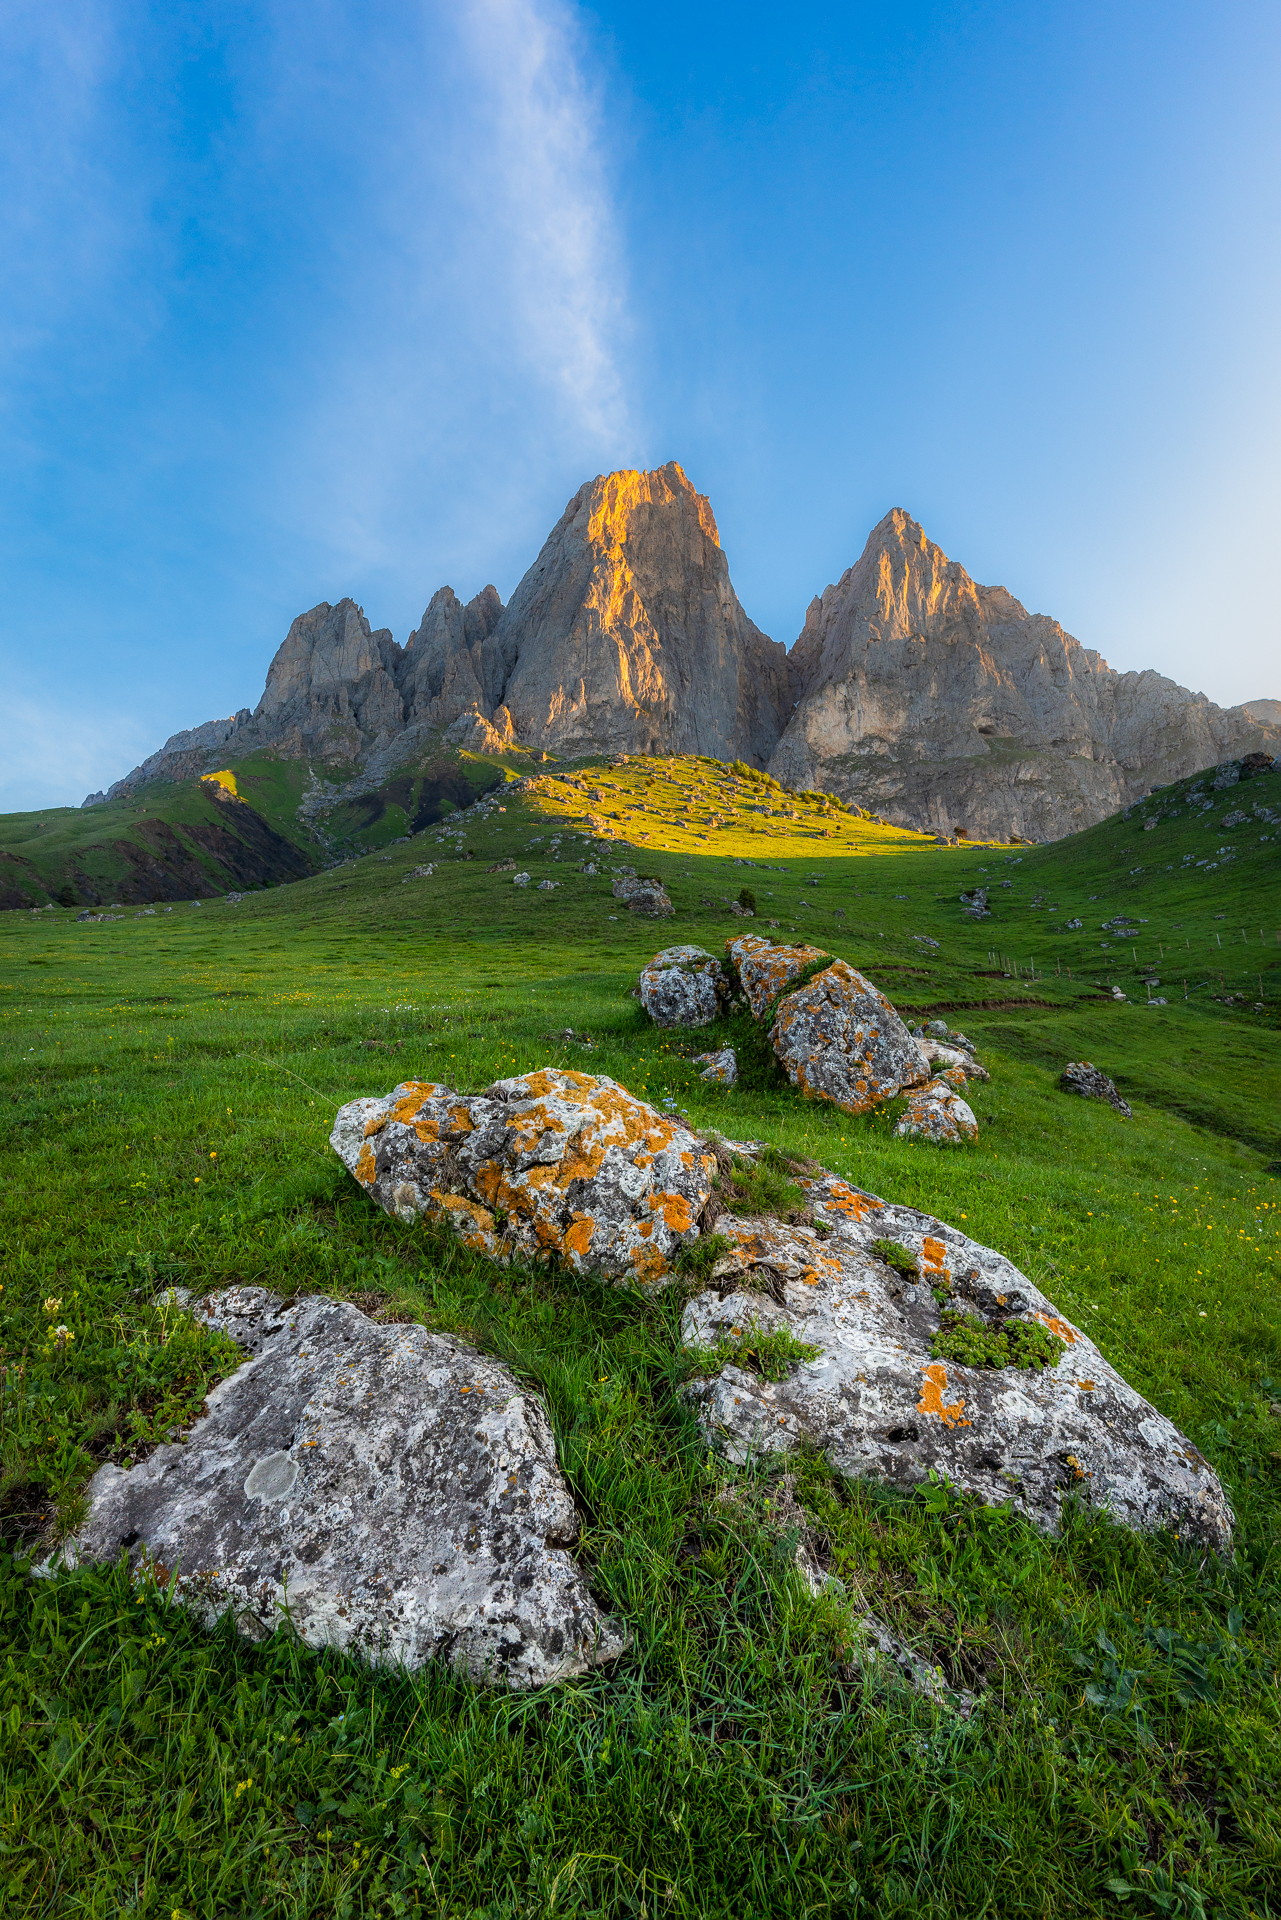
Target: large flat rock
[879,1404]
[394,1492]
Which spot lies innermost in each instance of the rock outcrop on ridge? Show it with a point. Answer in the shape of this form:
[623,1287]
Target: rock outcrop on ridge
[942,704]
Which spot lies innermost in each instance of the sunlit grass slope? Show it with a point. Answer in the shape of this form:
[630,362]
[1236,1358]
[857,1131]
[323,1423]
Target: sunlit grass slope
[170,1081]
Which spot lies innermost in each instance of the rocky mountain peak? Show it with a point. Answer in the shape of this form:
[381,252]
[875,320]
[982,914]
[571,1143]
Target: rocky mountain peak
[626,633]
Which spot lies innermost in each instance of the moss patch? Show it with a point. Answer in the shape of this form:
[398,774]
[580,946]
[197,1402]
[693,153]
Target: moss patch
[970,1342]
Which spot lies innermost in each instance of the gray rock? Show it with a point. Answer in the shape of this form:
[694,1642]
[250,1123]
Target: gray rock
[390,1490]
[651,902]
[683,987]
[878,1403]
[720,1069]
[937,1112]
[1079,1076]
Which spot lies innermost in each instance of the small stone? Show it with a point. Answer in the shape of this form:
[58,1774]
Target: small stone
[520,880]
[720,1068]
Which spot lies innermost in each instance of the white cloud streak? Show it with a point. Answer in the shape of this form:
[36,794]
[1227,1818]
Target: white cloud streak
[541,187]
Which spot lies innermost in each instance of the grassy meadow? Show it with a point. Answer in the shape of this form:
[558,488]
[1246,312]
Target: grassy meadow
[170,1078]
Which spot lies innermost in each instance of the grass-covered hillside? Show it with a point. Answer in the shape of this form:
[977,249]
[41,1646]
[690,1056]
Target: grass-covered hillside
[170,1078]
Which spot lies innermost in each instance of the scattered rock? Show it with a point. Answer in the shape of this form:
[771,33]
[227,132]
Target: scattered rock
[553,1162]
[1080,1077]
[975,904]
[548,886]
[391,1490]
[425,873]
[720,1068]
[650,901]
[520,879]
[234,899]
[683,987]
[880,1402]
[741,912]
[502,866]
[937,1112]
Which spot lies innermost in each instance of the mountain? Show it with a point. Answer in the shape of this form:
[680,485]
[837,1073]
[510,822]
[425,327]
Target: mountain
[911,690]
[625,635]
[940,703]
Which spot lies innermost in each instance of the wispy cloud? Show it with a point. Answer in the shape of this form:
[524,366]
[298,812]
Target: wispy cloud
[541,188]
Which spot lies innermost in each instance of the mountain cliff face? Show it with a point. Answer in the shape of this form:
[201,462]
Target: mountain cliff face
[626,634]
[944,704]
[911,690]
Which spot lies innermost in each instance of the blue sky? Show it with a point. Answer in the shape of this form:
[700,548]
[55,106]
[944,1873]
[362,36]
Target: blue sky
[305,300]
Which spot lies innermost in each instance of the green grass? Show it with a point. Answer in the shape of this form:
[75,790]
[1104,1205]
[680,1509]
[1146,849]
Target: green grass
[169,1083]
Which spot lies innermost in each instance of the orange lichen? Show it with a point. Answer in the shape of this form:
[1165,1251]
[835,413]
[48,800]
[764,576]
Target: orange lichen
[578,1238]
[416,1095]
[365,1166]
[375,1124]
[933,1387]
[933,1255]
[1061,1327]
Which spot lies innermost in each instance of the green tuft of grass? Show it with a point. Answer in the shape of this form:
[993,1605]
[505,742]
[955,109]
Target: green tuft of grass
[896,1255]
[771,1355]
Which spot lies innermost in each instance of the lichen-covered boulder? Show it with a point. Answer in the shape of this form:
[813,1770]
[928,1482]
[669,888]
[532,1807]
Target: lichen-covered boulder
[1079,1076]
[683,987]
[766,969]
[937,1112]
[949,1058]
[386,1489]
[838,1038]
[720,1068]
[879,1397]
[553,1162]
[651,901]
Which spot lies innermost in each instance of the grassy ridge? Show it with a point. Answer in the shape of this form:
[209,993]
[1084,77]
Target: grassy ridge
[170,1082]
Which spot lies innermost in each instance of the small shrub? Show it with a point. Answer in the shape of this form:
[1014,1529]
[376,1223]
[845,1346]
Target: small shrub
[746,898]
[969,1342]
[764,1187]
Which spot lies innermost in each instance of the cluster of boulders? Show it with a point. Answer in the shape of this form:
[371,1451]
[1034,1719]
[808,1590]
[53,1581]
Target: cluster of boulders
[394,1491]
[835,1035]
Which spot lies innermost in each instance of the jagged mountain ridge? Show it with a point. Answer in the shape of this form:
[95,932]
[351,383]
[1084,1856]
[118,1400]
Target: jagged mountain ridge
[911,689]
[946,704]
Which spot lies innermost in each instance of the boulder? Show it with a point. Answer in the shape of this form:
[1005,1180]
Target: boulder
[937,1112]
[389,1490]
[880,1396]
[1080,1077]
[720,1068]
[765,969]
[838,1038]
[940,1055]
[683,987]
[652,902]
[549,1163]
